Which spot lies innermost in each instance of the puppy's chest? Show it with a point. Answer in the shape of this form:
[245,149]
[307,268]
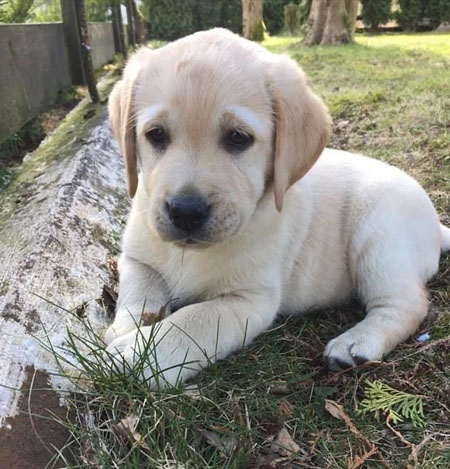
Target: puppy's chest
[191,278]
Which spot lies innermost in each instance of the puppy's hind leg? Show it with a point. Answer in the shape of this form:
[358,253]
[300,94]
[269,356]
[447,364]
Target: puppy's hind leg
[390,320]
[390,275]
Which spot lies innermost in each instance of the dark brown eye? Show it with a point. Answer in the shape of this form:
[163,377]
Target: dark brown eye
[157,137]
[237,140]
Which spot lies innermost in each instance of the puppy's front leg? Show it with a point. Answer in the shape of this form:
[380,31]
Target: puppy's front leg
[194,336]
[141,289]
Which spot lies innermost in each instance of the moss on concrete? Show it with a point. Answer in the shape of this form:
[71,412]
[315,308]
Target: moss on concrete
[62,143]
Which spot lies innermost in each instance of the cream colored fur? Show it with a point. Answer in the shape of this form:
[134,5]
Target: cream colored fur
[288,231]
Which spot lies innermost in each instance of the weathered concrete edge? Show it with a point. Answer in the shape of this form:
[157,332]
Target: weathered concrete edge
[60,220]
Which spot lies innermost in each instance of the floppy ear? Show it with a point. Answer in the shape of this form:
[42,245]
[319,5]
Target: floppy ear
[122,115]
[302,126]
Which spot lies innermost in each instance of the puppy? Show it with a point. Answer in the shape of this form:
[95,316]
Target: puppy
[236,218]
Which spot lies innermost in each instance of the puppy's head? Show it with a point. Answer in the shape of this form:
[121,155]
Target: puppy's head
[211,122]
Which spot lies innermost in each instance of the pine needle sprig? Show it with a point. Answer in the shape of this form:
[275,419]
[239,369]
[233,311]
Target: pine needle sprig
[382,399]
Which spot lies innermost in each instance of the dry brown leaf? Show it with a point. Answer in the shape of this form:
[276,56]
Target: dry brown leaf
[226,446]
[80,310]
[270,460]
[151,317]
[284,444]
[108,300]
[237,414]
[286,408]
[112,264]
[313,444]
[126,429]
[337,411]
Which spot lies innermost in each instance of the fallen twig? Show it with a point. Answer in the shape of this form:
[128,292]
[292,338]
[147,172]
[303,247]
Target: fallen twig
[337,411]
[415,449]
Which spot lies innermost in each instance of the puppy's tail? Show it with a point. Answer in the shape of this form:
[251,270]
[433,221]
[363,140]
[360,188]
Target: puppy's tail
[445,238]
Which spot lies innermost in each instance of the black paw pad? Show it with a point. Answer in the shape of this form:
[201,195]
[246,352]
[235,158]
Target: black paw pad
[335,364]
[359,360]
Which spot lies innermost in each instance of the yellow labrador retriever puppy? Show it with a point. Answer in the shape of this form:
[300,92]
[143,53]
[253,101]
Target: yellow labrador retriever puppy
[236,218]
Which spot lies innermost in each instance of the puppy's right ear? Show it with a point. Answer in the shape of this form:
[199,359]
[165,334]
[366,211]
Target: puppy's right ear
[122,115]
[122,122]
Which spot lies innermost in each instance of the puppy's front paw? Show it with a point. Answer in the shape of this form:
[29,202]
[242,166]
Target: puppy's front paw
[352,348]
[118,329]
[126,322]
[158,355]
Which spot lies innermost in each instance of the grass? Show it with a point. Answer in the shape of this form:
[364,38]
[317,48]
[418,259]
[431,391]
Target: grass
[389,98]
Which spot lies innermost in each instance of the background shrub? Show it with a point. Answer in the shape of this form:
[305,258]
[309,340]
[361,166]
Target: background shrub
[413,13]
[376,12]
[410,14]
[274,14]
[231,14]
[171,19]
[437,11]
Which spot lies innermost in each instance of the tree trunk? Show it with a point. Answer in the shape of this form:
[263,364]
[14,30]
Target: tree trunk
[331,22]
[86,52]
[291,18]
[351,7]
[252,19]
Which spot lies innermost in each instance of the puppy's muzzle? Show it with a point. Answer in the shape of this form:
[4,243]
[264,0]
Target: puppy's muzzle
[188,212]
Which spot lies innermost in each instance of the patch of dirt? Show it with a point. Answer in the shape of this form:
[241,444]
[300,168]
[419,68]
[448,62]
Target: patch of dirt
[27,441]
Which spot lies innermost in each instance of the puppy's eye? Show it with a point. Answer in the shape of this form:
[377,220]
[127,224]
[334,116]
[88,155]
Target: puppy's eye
[158,137]
[237,140]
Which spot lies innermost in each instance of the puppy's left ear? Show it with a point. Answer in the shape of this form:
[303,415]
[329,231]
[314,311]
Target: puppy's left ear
[302,126]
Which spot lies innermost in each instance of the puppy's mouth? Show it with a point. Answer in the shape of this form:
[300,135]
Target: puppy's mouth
[192,243]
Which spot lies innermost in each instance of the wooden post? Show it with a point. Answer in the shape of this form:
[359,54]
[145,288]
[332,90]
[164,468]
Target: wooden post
[119,38]
[121,29]
[115,10]
[73,42]
[131,35]
[86,51]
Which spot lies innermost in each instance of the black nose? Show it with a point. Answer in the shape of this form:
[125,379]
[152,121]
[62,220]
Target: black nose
[188,212]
